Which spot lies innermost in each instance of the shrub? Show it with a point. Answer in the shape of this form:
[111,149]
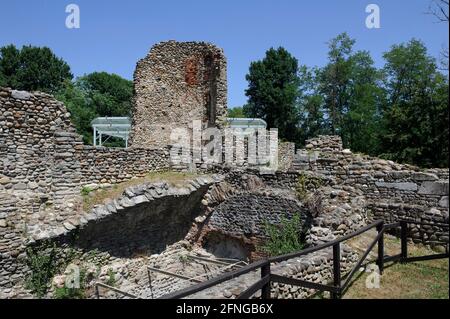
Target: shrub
[43,266]
[284,238]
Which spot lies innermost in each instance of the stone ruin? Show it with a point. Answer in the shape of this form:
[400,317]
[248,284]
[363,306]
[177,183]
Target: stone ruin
[218,213]
[177,83]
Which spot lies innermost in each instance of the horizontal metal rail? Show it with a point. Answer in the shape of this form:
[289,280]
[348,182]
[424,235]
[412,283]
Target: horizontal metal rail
[255,287]
[361,260]
[220,261]
[220,270]
[325,245]
[213,282]
[424,258]
[392,258]
[170,273]
[336,289]
[306,284]
[99,284]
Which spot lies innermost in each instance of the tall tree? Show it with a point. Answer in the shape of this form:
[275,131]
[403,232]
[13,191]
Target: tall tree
[350,87]
[32,69]
[310,103]
[273,91]
[334,81]
[360,127]
[109,94]
[416,119]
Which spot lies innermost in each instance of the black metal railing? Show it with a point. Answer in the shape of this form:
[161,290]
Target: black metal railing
[337,288]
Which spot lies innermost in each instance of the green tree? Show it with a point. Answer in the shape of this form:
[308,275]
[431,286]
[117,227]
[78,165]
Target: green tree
[109,94]
[81,110]
[273,92]
[96,95]
[416,115]
[32,69]
[310,104]
[236,112]
[361,121]
[350,86]
[334,81]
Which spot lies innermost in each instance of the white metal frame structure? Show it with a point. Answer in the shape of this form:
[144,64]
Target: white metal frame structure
[244,123]
[111,127]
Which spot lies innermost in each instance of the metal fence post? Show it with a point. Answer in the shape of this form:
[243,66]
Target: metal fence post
[380,261]
[404,242]
[265,291]
[337,270]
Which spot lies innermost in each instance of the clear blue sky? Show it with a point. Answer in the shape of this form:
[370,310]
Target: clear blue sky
[115,34]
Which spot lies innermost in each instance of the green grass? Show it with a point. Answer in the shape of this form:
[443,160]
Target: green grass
[92,198]
[417,280]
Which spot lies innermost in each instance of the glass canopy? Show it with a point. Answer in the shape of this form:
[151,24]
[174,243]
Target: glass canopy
[111,127]
[120,127]
[246,123]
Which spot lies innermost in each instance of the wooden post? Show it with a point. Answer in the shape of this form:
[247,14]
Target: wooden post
[404,234]
[97,292]
[380,261]
[265,291]
[336,270]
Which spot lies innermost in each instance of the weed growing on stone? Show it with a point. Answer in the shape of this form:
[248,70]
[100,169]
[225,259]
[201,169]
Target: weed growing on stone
[111,278]
[85,191]
[284,238]
[43,264]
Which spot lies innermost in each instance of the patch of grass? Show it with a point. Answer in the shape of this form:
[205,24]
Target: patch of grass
[85,191]
[184,259]
[99,196]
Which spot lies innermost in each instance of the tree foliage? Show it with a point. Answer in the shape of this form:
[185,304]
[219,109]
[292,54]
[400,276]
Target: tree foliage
[32,69]
[98,94]
[236,112]
[399,112]
[416,116]
[273,92]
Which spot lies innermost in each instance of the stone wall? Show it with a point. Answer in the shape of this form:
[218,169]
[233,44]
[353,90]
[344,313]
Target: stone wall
[178,82]
[393,191]
[237,226]
[105,165]
[43,167]
[39,175]
[142,221]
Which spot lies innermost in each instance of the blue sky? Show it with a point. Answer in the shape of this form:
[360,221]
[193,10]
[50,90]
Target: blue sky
[115,34]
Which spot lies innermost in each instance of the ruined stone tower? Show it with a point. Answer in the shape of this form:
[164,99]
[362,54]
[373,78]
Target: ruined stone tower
[178,82]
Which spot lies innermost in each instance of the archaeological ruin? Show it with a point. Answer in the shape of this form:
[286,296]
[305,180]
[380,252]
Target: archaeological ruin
[174,85]
[131,219]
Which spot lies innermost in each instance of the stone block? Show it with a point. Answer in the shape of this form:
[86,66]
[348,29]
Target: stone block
[405,186]
[434,188]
